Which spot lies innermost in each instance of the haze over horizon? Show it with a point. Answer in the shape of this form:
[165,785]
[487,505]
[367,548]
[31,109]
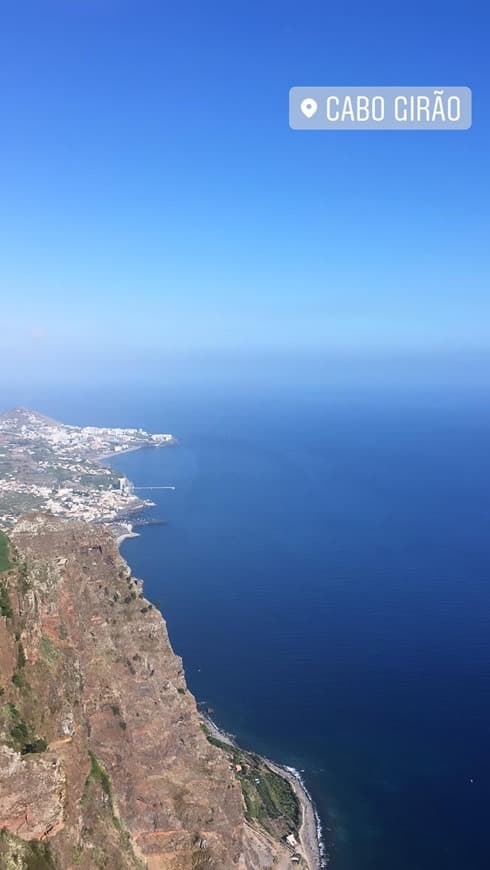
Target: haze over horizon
[158,210]
[308,314]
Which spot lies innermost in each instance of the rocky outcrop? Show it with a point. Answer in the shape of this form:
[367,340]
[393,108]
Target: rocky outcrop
[103,758]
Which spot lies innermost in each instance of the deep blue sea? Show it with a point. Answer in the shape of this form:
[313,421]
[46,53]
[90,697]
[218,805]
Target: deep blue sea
[325,575]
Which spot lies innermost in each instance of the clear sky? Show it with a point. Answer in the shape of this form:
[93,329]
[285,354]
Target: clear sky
[156,205]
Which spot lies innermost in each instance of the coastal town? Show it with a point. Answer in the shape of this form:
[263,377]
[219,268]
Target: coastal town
[57,468]
[50,471]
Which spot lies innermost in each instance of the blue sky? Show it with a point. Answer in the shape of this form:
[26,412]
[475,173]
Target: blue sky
[156,205]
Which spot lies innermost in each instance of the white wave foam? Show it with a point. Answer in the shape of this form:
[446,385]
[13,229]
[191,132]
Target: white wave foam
[319,830]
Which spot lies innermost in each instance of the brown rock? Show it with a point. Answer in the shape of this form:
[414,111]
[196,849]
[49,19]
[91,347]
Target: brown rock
[128,778]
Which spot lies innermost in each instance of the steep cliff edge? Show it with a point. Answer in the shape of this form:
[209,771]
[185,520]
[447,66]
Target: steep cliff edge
[103,759]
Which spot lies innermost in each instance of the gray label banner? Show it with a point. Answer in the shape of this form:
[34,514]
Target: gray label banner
[380,108]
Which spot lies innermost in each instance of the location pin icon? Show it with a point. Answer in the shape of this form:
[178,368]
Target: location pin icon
[309,106]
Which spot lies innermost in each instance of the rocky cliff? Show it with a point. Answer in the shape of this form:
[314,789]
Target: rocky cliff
[103,758]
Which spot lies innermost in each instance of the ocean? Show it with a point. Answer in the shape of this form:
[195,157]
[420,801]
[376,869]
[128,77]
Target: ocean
[324,574]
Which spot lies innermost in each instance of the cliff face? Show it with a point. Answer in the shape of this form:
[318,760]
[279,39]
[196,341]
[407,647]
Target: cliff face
[103,759]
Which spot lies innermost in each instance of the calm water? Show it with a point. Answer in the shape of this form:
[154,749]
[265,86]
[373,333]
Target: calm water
[325,576]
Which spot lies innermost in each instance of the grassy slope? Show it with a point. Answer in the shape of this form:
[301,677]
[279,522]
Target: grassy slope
[269,799]
[4,553]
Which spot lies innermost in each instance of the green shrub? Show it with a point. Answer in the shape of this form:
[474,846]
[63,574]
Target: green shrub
[5,563]
[5,606]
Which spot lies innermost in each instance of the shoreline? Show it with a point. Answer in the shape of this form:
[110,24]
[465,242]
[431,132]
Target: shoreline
[310,832]
[121,526]
[126,536]
[313,848]
[105,456]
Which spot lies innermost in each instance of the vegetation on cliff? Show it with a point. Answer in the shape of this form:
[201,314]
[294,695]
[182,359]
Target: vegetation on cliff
[4,553]
[103,762]
[18,854]
[269,798]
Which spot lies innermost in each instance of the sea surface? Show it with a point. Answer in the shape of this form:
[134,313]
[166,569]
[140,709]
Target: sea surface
[325,575]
